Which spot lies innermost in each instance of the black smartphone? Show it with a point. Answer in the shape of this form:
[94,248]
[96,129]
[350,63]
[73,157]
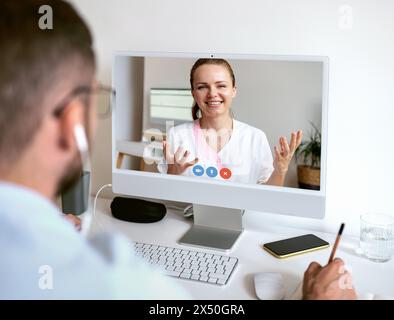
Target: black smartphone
[297,245]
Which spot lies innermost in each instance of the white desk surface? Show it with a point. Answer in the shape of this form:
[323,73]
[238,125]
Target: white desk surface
[368,277]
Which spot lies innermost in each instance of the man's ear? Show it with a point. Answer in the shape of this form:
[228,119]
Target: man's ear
[72,117]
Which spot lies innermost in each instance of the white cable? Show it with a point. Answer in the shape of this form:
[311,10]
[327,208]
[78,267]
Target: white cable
[95,198]
[170,206]
[88,220]
[187,210]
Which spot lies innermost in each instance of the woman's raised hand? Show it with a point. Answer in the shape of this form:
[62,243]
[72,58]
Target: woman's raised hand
[177,163]
[284,153]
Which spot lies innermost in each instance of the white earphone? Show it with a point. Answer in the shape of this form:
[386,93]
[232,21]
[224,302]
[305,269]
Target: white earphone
[82,141]
[83,147]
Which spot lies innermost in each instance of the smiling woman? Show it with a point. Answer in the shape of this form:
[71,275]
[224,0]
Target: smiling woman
[216,143]
[213,88]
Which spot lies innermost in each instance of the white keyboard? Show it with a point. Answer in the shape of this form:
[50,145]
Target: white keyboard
[189,264]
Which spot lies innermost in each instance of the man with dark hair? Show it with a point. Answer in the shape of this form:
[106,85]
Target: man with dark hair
[47,91]
[38,66]
[47,119]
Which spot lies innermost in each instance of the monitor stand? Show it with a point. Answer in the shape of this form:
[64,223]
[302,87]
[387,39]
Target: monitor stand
[214,228]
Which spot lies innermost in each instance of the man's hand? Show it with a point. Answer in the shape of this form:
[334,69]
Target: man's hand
[74,220]
[284,153]
[177,163]
[331,282]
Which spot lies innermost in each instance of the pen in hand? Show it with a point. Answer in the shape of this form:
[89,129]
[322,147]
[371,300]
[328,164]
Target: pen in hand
[334,249]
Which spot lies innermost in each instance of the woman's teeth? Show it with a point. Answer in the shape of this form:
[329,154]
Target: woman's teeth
[214,103]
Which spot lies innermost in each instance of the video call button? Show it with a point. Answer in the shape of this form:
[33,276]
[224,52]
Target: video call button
[225,173]
[212,172]
[198,170]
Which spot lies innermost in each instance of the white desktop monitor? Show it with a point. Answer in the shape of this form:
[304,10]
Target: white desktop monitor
[275,94]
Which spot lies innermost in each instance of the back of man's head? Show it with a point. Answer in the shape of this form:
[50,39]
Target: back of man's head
[33,63]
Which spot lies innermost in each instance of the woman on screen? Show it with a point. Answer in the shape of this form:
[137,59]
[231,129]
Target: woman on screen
[215,145]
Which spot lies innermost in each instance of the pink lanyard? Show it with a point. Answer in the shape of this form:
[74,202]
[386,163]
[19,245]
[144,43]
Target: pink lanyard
[202,147]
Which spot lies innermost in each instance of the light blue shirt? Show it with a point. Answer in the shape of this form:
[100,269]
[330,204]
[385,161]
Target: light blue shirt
[44,257]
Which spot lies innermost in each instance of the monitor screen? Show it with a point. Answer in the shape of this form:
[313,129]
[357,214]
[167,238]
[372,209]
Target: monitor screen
[224,122]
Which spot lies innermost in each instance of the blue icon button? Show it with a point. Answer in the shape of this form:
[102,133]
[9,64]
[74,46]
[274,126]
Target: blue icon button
[198,170]
[212,172]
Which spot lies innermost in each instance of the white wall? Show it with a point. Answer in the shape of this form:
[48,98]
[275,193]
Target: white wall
[361,98]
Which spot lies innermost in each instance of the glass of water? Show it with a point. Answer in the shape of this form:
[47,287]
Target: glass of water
[377,236]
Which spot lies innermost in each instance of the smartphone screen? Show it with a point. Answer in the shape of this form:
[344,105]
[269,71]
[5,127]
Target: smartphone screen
[297,245]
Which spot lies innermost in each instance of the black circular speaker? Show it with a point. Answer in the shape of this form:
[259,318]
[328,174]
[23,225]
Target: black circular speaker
[137,210]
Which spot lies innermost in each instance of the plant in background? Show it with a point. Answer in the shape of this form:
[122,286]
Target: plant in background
[310,152]
[311,149]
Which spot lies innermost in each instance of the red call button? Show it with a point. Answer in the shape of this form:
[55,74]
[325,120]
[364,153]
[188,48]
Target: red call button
[225,173]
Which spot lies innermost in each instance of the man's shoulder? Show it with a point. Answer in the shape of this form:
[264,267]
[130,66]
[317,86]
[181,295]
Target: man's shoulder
[112,247]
